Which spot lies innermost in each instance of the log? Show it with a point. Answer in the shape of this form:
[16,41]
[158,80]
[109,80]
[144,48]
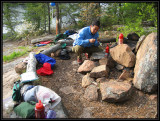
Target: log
[32,62]
[51,37]
[51,50]
[30,74]
[106,40]
[67,41]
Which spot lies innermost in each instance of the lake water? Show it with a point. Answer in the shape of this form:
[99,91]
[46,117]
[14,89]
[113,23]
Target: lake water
[19,28]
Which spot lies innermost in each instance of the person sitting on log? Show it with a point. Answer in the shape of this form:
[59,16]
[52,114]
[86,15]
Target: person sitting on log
[87,41]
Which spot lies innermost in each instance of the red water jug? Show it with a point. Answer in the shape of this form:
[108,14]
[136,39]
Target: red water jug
[121,39]
[39,110]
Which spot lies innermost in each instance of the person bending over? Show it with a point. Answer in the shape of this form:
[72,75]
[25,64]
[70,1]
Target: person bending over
[86,41]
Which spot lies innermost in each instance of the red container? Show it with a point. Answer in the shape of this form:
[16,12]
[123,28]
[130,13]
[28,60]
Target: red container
[39,110]
[121,39]
[107,49]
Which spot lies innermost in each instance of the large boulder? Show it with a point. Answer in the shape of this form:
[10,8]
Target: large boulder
[123,55]
[145,71]
[99,71]
[113,91]
[87,66]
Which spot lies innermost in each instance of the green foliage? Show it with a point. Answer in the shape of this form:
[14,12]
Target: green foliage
[13,55]
[89,12]
[10,17]
[24,50]
[36,14]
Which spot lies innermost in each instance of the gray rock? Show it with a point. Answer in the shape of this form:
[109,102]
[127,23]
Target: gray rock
[145,71]
[21,67]
[123,55]
[87,66]
[113,91]
[97,55]
[133,36]
[119,67]
[91,93]
[87,80]
[139,42]
[107,61]
[99,71]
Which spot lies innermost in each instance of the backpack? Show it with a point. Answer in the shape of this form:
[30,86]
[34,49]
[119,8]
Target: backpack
[16,96]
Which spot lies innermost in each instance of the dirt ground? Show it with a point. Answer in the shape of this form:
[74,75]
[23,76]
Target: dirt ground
[66,82]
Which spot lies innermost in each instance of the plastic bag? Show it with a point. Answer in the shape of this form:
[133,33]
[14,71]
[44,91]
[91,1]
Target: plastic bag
[8,104]
[30,95]
[48,97]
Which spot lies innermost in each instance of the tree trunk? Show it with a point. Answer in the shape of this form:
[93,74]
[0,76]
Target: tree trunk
[57,19]
[52,49]
[99,10]
[49,31]
[45,19]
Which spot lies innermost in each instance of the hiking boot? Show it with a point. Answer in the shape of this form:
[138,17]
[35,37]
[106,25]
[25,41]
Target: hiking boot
[87,57]
[79,61]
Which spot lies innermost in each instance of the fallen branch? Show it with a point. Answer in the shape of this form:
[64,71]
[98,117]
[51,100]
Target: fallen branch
[42,39]
[52,49]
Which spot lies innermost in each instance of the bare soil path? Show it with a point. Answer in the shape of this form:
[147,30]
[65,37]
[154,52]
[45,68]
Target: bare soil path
[66,82]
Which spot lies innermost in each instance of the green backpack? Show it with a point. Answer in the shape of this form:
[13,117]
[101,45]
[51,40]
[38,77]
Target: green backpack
[16,96]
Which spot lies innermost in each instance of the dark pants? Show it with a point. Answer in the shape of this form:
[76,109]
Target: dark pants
[79,50]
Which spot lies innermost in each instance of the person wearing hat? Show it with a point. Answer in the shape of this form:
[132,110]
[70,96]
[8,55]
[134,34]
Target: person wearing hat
[87,41]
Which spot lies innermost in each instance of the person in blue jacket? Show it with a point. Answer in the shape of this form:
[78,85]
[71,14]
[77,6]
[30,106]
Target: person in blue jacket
[87,41]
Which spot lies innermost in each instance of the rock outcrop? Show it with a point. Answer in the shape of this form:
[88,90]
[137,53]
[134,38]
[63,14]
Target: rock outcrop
[145,71]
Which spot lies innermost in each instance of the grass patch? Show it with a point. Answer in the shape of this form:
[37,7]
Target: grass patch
[23,51]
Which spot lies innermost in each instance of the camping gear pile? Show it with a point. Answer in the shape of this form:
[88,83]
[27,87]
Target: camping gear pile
[31,98]
[36,101]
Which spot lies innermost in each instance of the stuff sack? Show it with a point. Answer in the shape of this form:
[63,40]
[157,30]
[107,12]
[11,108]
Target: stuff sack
[16,96]
[25,109]
[64,55]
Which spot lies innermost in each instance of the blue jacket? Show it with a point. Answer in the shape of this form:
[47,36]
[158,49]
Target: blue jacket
[83,38]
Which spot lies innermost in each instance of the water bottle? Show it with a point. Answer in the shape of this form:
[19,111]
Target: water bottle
[107,50]
[39,110]
[121,39]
